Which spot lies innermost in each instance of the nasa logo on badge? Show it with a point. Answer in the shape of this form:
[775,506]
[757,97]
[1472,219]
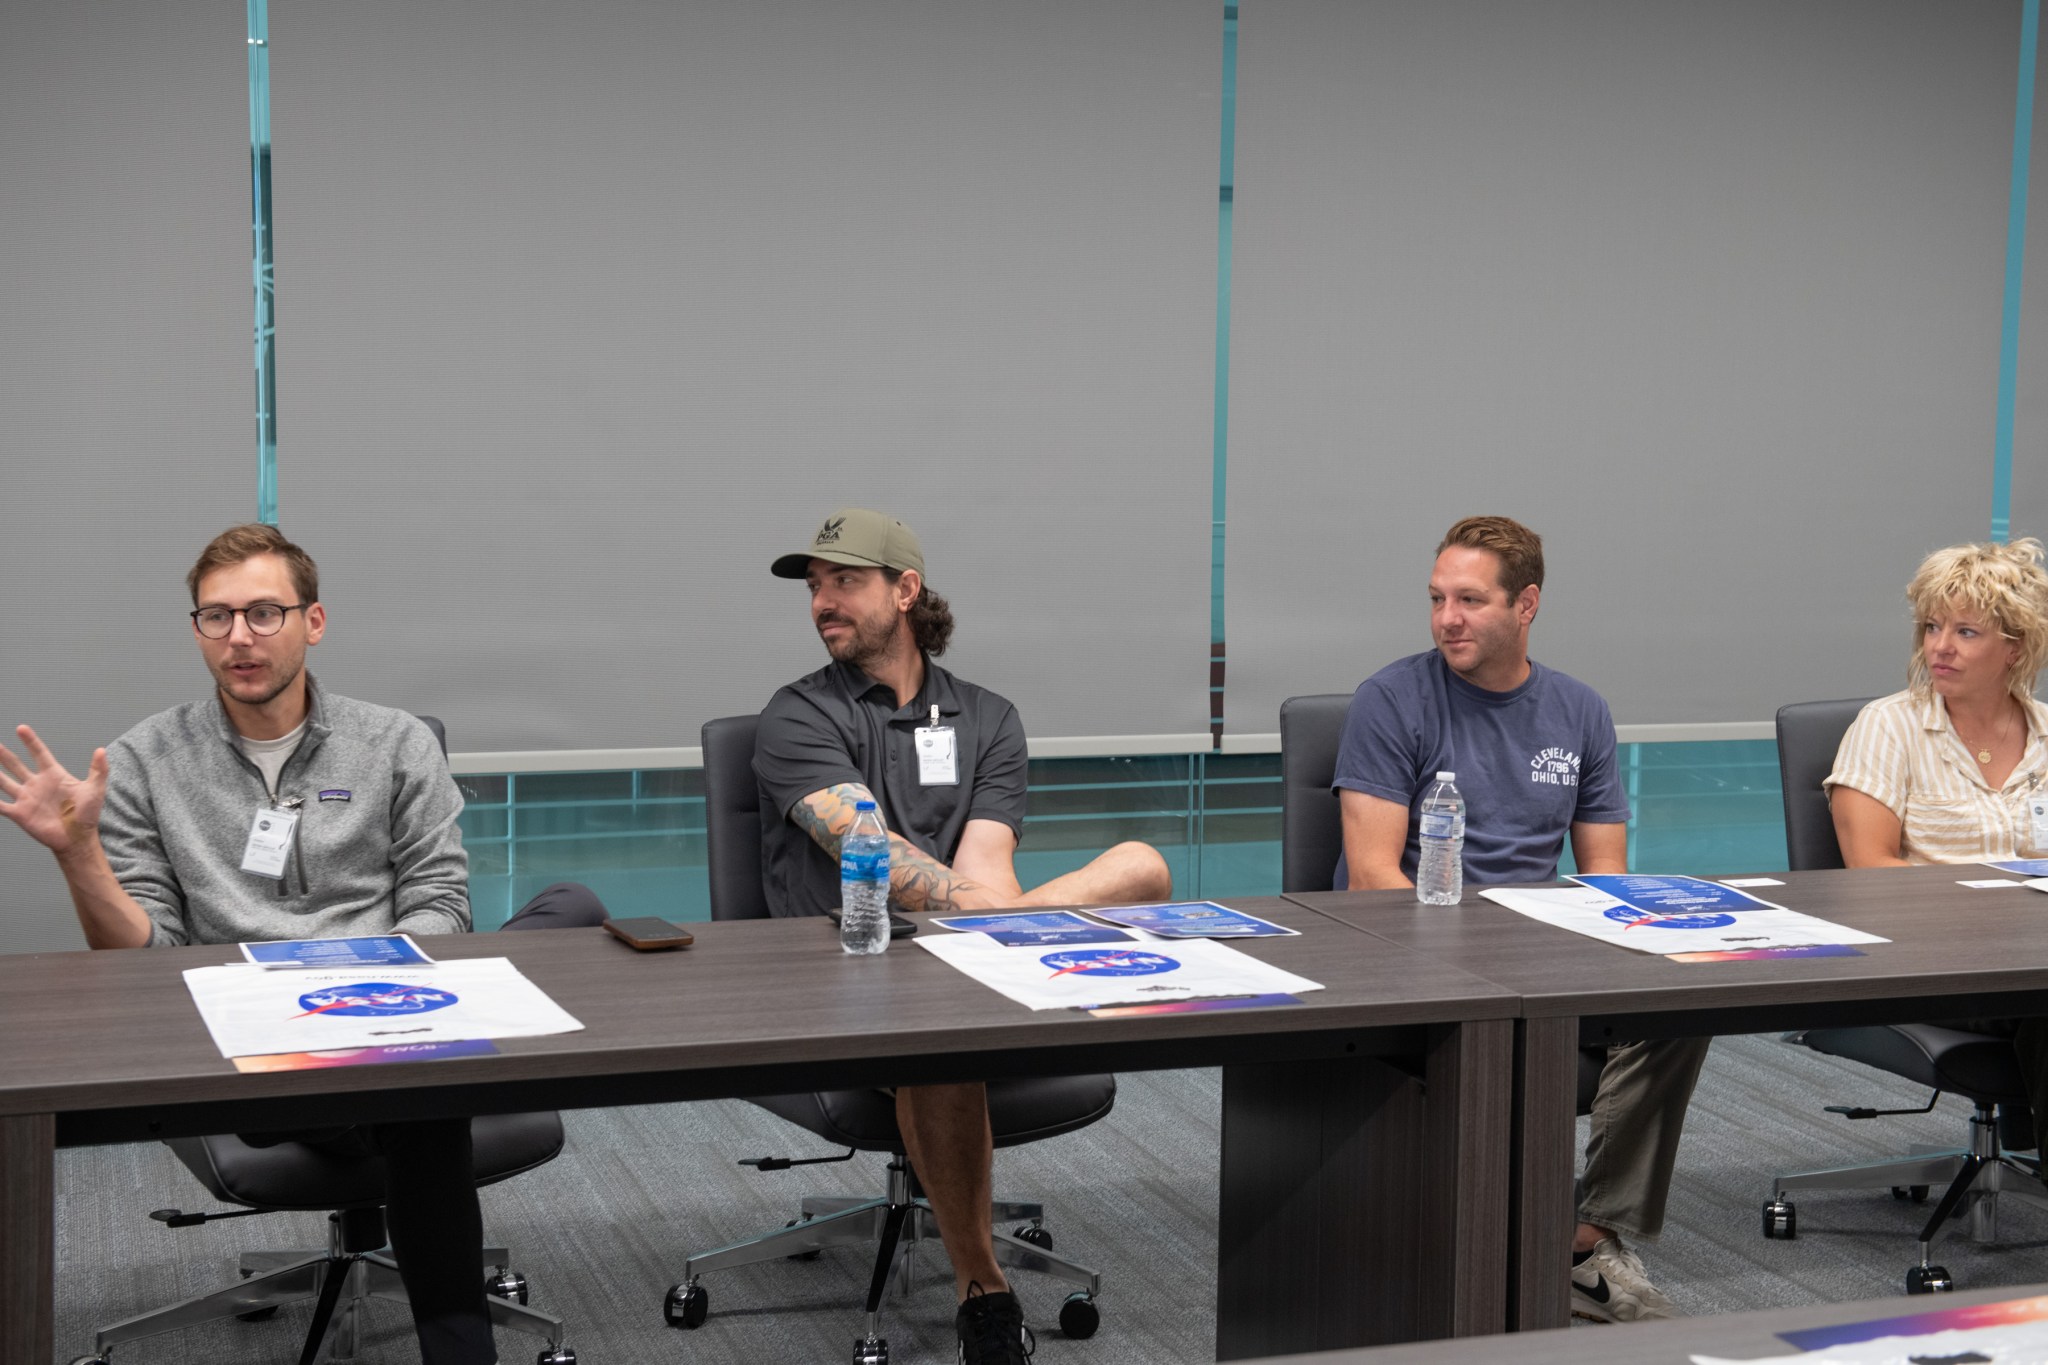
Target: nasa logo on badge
[375,1000]
[1109,962]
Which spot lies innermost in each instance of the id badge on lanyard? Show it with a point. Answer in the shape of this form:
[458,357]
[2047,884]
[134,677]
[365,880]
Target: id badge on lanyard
[270,840]
[938,759]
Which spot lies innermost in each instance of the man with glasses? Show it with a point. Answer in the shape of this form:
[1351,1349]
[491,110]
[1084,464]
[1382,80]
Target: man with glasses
[155,844]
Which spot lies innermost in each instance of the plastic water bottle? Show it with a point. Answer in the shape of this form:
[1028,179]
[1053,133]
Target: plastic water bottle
[1440,872]
[864,882]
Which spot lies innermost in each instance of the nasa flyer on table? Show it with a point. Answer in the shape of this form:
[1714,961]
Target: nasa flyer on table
[2024,867]
[1193,919]
[2011,1332]
[1089,976]
[1673,916]
[1027,929]
[251,1011]
[374,950]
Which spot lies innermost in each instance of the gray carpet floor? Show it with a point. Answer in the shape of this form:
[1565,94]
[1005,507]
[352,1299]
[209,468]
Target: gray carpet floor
[602,1232]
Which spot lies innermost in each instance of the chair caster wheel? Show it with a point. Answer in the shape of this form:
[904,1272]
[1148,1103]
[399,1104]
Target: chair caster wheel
[801,1255]
[257,1314]
[1036,1234]
[687,1305]
[506,1284]
[1781,1220]
[1079,1317]
[871,1351]
[1929,1279]
[1916,1193]
[561,1355]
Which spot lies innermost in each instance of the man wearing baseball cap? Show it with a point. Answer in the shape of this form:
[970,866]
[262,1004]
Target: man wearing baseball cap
[945,762]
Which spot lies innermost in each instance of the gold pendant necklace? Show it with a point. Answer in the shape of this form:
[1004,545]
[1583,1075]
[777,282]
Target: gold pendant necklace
[1984,754]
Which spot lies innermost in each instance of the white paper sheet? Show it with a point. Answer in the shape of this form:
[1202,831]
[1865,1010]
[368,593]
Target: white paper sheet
[1599,915]
[252,1012]
[1088,975]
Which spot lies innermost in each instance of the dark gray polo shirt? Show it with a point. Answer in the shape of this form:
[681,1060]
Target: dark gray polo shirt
[838,725]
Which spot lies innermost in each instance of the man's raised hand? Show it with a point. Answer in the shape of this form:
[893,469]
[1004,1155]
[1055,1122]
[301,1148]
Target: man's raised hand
[57,810]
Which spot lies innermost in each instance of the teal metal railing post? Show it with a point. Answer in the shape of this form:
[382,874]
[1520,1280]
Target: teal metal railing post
[2015,260]
[1220,429]
[263,265]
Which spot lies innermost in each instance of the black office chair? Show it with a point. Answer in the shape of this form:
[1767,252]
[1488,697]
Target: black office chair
[1982,1068]
[895,1222]
[1312,824]
[353,1268]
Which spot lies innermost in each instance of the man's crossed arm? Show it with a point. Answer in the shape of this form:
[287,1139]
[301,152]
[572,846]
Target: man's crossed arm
[918,881]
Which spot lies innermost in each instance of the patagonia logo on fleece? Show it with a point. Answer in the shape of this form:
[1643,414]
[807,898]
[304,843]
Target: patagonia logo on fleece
[334,794]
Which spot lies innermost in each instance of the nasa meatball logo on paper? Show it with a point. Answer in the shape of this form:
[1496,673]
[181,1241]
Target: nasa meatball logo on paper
[375,1000]
[1109,962]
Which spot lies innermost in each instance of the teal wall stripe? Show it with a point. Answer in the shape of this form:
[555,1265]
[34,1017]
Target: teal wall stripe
[1220,420]
[261,264]
[2015,261]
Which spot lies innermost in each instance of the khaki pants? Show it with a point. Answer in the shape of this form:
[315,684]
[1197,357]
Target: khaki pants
[1638,1114]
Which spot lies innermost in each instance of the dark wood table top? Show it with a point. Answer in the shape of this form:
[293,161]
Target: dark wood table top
[111,1040]
[1953,951]
[1739,1336]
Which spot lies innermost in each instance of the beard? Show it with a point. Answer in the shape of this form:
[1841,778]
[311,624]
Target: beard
[284,673]
[868,642]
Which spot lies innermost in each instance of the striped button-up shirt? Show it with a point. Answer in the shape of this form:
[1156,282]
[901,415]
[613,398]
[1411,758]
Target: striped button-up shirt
[1902,752]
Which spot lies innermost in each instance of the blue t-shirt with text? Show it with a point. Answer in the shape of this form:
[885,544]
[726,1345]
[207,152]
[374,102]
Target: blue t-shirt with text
[1530,763]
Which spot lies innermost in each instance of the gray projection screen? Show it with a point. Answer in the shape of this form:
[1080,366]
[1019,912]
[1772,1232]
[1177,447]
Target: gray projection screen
[1708,294]
[125,375]
[589,311]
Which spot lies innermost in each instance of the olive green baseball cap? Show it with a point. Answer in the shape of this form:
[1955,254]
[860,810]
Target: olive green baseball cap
[858,536]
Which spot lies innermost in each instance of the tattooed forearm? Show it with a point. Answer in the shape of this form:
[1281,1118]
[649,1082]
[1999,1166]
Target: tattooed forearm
[917,881]
[826,815]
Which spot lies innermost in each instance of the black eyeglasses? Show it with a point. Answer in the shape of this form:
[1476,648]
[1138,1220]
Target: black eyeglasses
[265,618]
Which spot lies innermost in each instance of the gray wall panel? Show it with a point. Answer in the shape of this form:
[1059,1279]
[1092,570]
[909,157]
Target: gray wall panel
[125,374]
[591,310]
[1707,294]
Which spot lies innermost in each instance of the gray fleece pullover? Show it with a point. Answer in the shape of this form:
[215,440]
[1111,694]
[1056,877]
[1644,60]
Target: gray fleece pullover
[377,849]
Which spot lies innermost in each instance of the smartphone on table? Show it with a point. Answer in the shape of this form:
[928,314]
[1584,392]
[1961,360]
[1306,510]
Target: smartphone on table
[648,934]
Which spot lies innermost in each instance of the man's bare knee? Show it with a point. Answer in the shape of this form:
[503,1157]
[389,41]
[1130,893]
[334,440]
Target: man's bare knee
[1141,873]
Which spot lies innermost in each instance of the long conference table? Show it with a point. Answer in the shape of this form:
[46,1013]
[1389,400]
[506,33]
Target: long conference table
[1955,952]
[1396,1150]
[1385,1093]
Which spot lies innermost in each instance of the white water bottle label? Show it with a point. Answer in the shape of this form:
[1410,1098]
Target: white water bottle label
[1439,824]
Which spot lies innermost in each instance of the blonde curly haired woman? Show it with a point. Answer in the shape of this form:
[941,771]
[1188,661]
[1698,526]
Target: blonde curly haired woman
[1943,771]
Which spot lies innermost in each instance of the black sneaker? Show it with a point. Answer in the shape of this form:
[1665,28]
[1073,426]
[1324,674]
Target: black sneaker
[992,1330]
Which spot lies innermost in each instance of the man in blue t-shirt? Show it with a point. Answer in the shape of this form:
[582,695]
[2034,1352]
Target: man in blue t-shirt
[1533,751]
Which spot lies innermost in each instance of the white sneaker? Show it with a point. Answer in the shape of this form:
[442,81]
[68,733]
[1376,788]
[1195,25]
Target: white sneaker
[1609,1284]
